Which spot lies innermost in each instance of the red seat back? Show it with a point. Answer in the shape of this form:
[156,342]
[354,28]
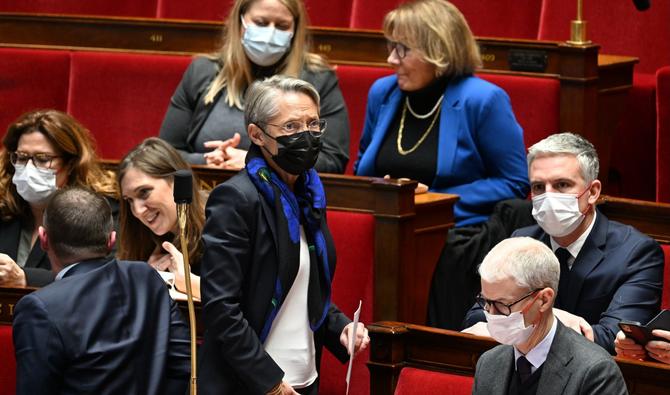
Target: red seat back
[535,101]
[665,299]
[202,10]
[354,236]
[663,135]
[8,361]
[134,8]
[30,79]
[122,98]
[425,382]
[633,33]
[355,82]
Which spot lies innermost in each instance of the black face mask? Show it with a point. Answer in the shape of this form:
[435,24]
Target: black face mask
[297,152]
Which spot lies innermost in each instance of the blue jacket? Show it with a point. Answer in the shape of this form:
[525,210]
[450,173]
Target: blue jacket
[481,153]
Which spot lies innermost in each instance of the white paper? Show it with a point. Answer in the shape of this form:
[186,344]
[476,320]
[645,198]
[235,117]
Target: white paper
[174,294]
[352,342]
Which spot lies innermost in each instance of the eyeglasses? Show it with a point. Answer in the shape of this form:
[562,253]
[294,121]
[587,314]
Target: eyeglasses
[502,308]
[315,127]
[400,49]
[40,160]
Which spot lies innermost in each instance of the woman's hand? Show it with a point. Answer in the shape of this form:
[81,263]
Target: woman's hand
[420,188]
[177,267]
[626,347]
[660,349]
[362,338]
[225,154]
[282,388]
[160,260]
[11,274]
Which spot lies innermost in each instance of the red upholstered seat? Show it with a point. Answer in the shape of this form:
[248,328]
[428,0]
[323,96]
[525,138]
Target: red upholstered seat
[135,8]
[355,82]
[494,18]
[30,79]
[425,382]
[663,135]
[7,361]
[122,98]
[633,35]
[354,236]
[329,13]
[203,10]
[535,101]
[665,299]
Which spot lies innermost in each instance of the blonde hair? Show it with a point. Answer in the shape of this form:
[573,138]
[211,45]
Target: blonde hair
[235,73]
[71,140]
[438,30]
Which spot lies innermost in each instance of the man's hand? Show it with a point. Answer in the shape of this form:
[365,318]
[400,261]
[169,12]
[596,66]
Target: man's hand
[575,322]
[479,329]
[225,155]
[362,338]
[282,388]
[626,347]
[660,349]
[11,274]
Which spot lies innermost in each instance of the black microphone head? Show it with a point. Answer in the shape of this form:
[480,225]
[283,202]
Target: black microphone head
[183,186]
[642,5]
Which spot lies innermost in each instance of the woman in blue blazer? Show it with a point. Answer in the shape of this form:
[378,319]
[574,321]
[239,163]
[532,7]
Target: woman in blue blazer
[434,122]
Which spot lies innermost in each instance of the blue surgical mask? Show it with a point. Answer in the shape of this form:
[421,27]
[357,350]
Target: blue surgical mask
[265,45]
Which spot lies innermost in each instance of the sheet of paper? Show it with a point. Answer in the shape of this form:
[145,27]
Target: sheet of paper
[352,342]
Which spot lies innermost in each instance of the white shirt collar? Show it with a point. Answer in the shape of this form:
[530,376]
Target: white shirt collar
[576,245]
[66,269]
[538,354]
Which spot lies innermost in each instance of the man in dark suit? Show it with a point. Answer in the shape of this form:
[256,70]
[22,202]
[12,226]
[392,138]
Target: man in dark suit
[538,355]
[104,326]
[609,271]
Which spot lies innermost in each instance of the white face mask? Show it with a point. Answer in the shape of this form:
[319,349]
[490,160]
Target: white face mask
[557,213]
[508,329]
[265,45]
[32,184]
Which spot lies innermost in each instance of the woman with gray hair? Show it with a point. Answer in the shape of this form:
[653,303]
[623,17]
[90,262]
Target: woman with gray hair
[269,258]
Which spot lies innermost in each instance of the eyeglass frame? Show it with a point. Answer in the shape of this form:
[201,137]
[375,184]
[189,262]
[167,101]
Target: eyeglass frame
[399,48]
[13,159]
[482,302]
[322,123]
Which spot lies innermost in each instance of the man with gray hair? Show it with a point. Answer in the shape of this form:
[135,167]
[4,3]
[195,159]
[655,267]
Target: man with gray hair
[538,355]
[609,271]
[104,326]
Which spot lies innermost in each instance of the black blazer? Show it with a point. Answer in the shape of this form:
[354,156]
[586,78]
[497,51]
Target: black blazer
[107,327]
[616,276]
[38,268]
[239,268]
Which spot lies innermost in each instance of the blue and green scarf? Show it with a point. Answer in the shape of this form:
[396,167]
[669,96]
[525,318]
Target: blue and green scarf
[305,205]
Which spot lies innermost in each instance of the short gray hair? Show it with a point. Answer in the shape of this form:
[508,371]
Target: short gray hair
[262,98]
[571,144]
[530,263]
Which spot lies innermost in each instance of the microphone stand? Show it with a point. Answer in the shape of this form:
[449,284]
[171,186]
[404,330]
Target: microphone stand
[183,196]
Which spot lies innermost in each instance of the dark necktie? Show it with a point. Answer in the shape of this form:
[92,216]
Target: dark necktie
[523,368]
[564,283]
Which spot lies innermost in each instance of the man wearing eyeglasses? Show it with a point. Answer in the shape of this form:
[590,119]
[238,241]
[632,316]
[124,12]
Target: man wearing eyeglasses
[609,271]
[538,354]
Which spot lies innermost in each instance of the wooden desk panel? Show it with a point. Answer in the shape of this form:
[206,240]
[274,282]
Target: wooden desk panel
[395,345]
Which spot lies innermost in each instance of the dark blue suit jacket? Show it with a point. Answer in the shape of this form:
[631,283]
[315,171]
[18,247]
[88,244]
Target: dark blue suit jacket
[107,327]
[616,276]
[480,153]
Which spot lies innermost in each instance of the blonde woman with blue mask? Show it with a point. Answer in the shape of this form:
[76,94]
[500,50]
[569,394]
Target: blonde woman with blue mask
[205,119]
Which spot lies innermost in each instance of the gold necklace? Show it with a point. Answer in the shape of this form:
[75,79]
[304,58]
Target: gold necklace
[401,150]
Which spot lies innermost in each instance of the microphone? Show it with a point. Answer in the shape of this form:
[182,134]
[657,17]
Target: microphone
[183,196]
[642,5]
[183,187]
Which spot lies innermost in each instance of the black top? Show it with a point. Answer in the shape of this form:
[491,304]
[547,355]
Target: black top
[420,164]
[188,122]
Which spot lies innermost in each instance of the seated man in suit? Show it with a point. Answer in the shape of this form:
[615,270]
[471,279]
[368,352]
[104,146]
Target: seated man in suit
[538,355]
[104,326]
[609,271]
